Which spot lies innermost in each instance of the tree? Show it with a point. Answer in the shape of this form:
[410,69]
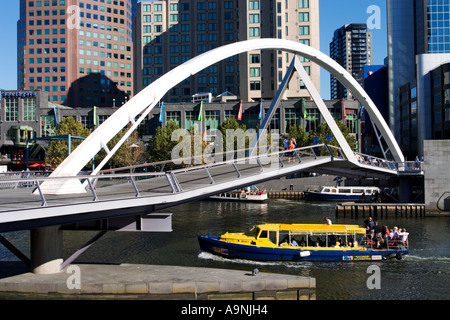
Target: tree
[161,145]
[324,135]
[299,134]
[58,150]
[238,141]
[131,152]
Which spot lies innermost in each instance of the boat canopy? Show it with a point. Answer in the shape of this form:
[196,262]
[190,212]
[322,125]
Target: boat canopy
[314,228]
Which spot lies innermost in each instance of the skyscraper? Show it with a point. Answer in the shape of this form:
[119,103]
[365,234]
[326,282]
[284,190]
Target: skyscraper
[80,52]
[418,43]
[169,33]
[351,47]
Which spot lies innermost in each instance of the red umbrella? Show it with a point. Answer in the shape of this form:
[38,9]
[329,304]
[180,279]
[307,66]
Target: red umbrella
[35,165]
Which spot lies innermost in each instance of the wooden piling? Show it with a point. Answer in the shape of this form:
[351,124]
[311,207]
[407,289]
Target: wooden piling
[380,210]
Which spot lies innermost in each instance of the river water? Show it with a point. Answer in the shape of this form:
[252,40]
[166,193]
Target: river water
[422,275]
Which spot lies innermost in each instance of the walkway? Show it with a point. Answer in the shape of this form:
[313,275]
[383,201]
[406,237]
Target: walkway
[130,281]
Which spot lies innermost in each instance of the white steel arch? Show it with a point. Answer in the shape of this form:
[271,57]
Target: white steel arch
[137,108]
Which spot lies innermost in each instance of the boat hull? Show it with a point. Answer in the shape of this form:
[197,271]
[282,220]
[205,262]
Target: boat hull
[247,198]
[308,195]
[214,245]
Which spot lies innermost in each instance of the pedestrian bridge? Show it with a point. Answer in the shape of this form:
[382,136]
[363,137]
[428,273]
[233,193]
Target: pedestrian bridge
[105,200]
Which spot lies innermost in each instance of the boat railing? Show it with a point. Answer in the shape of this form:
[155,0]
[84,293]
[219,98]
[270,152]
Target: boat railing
[387,244]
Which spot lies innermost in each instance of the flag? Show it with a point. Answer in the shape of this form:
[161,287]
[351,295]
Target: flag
[260,110]
[361,111]
[305,114]
[95,116]
[240,112]
[161,113]
[56,115]
[344,113]
[200,114]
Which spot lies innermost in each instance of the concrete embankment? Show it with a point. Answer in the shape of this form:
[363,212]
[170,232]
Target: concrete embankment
[132,281]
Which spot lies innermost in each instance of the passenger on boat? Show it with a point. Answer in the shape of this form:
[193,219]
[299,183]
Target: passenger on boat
[403,236]
[328,221]
[368,225]
[294,243]
[284,243]
[303,242]
[377,230]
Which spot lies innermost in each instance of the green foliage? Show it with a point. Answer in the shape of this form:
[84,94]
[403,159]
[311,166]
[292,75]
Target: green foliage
[300,136]
[323,131]
[131,152]
[161,145]
[58,150]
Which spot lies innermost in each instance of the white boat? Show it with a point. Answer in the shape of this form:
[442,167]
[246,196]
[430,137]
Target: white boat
[342,193]
[242,195]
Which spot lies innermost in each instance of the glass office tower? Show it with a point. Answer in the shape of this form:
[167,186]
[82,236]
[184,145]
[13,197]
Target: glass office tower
[418,42]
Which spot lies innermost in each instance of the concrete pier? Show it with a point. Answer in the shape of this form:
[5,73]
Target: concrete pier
[154,282]
[380,210]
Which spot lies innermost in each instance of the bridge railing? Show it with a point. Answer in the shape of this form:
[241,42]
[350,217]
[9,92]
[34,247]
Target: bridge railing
[401,167]
[138,184]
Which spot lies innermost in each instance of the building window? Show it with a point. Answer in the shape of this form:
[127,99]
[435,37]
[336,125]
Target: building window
[12,109]
[255,72]
[174,116]
[303,4]
[303,16]
[212,119]
[255,85]
[29,109]
[290,119]
[303,30]
[253,32]
[253,5]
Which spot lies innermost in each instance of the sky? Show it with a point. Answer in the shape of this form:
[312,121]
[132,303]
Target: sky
[333,15]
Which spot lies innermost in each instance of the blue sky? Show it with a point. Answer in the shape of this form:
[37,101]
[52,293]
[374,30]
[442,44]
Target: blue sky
[333,15]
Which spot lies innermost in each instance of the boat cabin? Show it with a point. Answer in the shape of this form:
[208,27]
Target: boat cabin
[349,190]
[308,235]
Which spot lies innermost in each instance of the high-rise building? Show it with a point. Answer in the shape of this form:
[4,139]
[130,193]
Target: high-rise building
[169,33]
[80,52]
[351,47]
[418,45]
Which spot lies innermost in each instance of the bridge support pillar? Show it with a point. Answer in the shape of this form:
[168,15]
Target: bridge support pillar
[405,190]
[46,250]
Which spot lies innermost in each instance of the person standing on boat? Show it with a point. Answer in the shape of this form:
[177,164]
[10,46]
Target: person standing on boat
[328,221]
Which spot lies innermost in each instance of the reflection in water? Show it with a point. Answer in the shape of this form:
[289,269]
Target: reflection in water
[424,274]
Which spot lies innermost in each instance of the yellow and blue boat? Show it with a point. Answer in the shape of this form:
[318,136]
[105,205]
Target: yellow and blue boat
[303,242]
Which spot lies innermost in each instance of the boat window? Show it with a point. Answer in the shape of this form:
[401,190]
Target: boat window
[273,237]
[326,190]
[333,190]
[359,191]
[253,232]
[344,190]
[283,236]
[263,234]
